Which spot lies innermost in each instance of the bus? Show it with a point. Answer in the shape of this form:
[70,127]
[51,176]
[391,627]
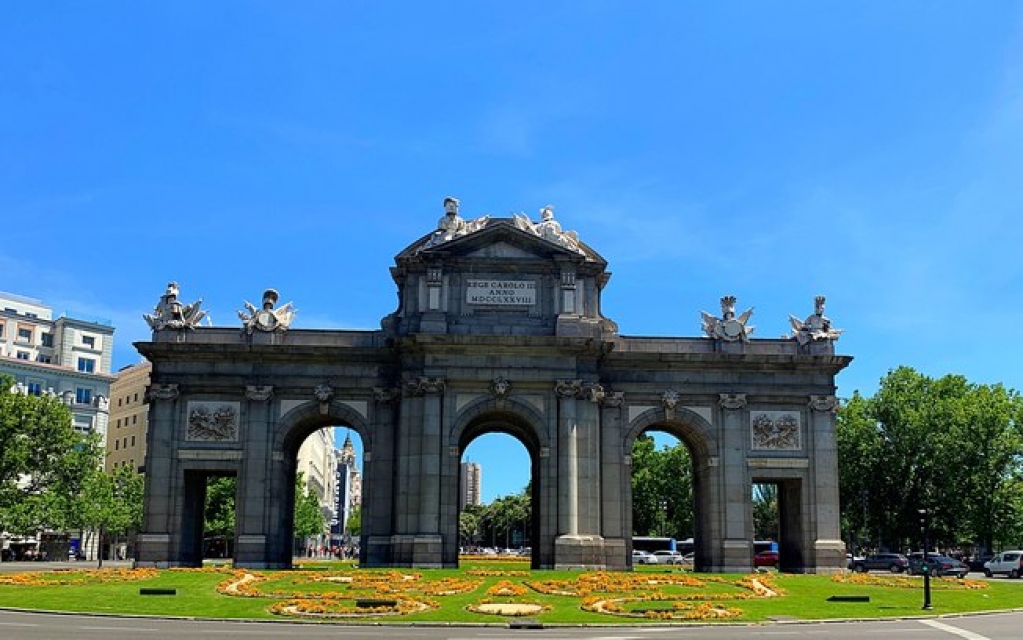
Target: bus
[645,543]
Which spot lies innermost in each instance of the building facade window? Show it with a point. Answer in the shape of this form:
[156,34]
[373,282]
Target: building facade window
[24,335]
[1,329]
[24,355]
[46,339]
[44,359]
[133,441]
[117,445]
[89,341]
[83,395]
[86,365]
[35,388]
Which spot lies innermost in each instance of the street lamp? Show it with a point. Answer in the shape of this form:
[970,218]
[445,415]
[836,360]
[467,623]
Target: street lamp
[924,566]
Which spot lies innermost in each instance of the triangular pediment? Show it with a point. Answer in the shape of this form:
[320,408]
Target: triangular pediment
[503,249]
[501,239]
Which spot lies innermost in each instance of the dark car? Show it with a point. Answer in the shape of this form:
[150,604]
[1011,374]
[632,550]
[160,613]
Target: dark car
[938,566]
[766,559]
[894,562]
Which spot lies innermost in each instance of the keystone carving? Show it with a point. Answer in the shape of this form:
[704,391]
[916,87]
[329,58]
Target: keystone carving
[500,387]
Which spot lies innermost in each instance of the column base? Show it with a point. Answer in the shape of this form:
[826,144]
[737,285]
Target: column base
[581,552]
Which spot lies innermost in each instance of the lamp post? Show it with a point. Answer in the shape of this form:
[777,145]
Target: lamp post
[924,566]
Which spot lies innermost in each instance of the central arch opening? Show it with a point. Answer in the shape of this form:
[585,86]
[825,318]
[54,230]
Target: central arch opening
[664,523]
[499,488]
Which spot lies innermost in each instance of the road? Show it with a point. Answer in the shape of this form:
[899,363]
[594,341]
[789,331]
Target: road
[38,626]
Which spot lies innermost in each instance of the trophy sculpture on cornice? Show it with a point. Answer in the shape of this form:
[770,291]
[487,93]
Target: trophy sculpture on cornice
[267,319]
[728,327]
[171,314]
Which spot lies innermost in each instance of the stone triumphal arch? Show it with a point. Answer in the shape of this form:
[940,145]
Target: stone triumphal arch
[498,329]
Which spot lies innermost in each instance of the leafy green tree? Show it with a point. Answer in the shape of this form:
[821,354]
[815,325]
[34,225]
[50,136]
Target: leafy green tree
[220,502]
[36,438]
[109,503]
[765,511]
[943,444]
[662,490]
[508,514]
[354,525]
[469,523]
[309,520]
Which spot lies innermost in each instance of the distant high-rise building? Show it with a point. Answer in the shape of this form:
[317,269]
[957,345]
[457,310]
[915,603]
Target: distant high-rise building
[472,480]
[348,496]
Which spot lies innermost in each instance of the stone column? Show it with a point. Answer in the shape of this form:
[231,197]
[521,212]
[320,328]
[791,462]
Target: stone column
[829,550]
[615,482]
[737,545]
[427,549]
[154,544]
[252,543]
[378,480]
[568,458]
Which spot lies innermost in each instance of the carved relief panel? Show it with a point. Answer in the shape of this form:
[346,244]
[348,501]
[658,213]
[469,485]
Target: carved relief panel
[212,421]
[775,431]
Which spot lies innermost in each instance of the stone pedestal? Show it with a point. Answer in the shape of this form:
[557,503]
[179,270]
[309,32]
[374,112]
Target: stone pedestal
[580,552]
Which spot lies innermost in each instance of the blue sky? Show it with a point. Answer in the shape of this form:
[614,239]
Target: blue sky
[867,151]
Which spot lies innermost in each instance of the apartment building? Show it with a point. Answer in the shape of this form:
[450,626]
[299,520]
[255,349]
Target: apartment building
[67,356]
[129,418]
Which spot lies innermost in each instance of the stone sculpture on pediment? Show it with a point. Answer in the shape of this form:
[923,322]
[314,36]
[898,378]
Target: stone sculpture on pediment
[816,328]
[549,229]
[728,328]
[268,319]
[452,226]
[170,313]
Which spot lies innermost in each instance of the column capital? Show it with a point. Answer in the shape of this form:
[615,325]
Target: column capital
[386,395]
[568,388]
[163,392]
[259,393]
[732,401]
[824,404]
[424,385]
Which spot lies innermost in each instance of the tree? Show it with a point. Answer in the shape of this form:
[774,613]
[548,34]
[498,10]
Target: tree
[662,490]
[36,439]
[765,511]
[469,522]
[943,444]
[354,524]
[309,520]
[220,501]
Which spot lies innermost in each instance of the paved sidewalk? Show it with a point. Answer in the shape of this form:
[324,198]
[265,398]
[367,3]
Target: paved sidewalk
[59,565]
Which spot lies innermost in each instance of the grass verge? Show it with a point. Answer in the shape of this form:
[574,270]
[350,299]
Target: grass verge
[336,591]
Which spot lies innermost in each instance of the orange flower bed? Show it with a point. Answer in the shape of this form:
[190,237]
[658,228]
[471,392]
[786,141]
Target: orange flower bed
[904,582]
[84,576]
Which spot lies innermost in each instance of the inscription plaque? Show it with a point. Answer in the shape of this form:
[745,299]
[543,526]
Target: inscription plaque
[501,292]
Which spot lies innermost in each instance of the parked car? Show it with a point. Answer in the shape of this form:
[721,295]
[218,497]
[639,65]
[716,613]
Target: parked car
[937,566]
[766,559]
[643,557]
[894,562]
[668,557]
[1008,562]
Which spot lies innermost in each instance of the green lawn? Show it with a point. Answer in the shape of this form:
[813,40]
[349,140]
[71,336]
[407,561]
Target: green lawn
[449,593]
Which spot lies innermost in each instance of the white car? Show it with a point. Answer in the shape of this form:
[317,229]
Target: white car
[1008,562]
[643,557]
[668,557]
